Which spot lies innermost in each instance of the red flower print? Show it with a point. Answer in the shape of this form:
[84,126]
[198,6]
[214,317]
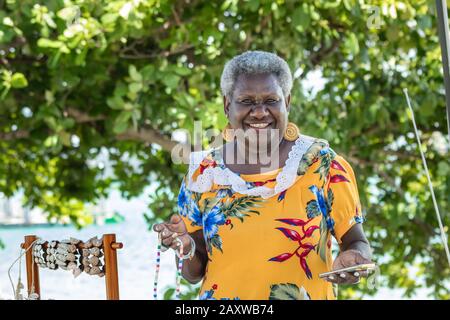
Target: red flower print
[305,267]
[281,196]
[308,246]
[206,163]
[304,248]
[336,165]
[282,257]
[338,178]
[309,231]
[261,183]
[291,234]
[228,221]
[214,286]
[294,222]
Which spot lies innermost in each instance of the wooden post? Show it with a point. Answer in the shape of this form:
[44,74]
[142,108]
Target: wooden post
[111,274]
[32,268]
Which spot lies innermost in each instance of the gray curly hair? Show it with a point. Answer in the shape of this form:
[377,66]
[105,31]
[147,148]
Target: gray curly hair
[255,62]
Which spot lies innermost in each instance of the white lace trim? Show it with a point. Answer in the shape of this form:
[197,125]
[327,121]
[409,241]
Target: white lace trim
[224,176]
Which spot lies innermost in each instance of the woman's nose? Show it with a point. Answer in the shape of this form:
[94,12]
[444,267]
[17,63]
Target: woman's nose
[259,111]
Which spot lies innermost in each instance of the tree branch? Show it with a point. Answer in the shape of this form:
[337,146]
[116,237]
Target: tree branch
[19,134]
[81,117]
[165,54]
[146,135]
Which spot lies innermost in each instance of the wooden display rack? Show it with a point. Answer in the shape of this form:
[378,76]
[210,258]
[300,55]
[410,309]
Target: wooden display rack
[110,260]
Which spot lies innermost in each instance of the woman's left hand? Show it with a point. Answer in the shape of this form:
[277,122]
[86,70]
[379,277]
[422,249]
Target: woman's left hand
[345,259]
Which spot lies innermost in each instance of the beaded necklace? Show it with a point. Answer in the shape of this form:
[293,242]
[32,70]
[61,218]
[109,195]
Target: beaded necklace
[158,267]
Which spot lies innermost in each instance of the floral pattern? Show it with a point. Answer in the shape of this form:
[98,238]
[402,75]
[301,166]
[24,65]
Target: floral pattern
[301,229]
[220,214]
[187,205]
[215,211]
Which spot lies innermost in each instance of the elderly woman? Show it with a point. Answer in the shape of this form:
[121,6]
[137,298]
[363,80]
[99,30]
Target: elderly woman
[253,233]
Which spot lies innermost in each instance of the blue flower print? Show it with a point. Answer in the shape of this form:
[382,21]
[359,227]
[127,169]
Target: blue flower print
[211,221]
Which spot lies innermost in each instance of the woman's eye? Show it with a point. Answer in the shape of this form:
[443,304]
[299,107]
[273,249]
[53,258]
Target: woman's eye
[271,101]
[246,101]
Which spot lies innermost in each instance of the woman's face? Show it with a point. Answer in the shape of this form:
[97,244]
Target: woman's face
[257,102]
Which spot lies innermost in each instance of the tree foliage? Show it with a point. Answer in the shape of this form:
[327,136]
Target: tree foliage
[82,78]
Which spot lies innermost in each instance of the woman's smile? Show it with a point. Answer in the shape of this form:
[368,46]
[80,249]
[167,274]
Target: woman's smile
[258,125]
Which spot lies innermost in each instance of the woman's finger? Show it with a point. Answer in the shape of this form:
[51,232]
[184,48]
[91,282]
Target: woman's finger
[176,228]
[348,277]
[168,240]
[158,227]
[333,278]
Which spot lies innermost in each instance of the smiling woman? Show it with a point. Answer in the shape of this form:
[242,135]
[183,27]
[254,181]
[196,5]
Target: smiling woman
[266,233]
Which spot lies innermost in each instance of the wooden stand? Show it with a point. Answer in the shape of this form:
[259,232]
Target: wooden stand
[111,275]
[32,268]
[111,271]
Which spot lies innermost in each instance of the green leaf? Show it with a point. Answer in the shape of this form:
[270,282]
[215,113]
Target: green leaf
[47,43]
[109,18]
[51,141]
[171,80]
[65,138]
[135,87]
[287,291]
[183,71]
[351,43]
[216,242]
[18,80]
[134,74]
[322,246]
[330,198]
[300,18]
[121,122]
[312,209]
[169,294]
[148,73]
[115,102]
[444,168]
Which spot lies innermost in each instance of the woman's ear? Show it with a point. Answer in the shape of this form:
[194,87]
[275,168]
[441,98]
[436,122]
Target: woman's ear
[226,105]
[288,103]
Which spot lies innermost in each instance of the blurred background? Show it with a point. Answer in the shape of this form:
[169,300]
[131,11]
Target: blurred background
[91,92]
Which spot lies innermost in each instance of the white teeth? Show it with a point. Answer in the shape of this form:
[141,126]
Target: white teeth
[258,125]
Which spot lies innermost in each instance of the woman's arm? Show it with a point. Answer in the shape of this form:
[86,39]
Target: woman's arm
[194,270]
[355,239]
[354,250]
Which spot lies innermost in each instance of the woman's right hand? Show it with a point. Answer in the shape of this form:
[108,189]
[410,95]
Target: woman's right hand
[174,228]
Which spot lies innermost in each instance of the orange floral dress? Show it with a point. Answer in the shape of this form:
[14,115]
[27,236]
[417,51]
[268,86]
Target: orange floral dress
[268,235]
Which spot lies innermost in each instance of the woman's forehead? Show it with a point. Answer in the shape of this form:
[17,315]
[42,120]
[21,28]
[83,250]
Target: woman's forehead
[257,83]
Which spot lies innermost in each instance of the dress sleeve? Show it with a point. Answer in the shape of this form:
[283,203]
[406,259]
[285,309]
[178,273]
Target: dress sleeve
[188,208]
[346,205]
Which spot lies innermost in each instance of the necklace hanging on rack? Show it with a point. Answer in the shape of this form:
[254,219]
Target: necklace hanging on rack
[17,290]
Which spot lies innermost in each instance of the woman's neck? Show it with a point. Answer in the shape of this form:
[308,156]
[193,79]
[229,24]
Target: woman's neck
[246,160]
